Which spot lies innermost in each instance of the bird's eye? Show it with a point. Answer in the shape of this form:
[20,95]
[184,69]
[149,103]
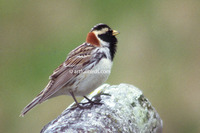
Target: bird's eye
[110,32]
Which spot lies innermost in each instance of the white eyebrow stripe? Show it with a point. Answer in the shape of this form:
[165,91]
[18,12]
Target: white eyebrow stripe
[102,31]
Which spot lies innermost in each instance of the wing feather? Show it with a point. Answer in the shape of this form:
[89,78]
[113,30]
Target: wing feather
[64,73]
[77,59]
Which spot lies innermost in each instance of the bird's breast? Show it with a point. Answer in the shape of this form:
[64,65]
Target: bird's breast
[92,78]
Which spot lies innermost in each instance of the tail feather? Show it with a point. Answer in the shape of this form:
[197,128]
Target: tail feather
[32,104]
[39,99]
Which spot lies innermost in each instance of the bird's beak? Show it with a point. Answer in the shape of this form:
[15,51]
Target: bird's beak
[114,33]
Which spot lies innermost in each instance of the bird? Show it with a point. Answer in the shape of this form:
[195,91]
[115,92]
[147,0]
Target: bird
[86,67]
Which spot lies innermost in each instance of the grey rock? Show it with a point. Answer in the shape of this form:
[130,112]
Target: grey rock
[123,109]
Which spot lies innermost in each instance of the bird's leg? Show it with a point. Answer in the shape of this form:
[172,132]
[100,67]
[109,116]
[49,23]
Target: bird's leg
[90,101]
[77,104]
[99,95]
[96,98]
[97,101]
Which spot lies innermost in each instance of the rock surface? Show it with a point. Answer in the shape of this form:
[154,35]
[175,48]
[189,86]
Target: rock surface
[123,109]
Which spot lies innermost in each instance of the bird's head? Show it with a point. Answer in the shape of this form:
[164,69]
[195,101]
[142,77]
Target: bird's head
[101,35]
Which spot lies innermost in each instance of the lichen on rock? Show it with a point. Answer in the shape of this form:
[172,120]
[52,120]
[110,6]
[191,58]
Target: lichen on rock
[123,109]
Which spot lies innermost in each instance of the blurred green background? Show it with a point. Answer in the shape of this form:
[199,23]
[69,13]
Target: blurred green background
[158,51]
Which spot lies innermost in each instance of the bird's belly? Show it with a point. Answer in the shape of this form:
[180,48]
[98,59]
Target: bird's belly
[91,79]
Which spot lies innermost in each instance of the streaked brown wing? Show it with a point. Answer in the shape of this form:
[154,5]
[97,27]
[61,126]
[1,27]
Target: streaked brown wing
[78,54]
[64,73]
